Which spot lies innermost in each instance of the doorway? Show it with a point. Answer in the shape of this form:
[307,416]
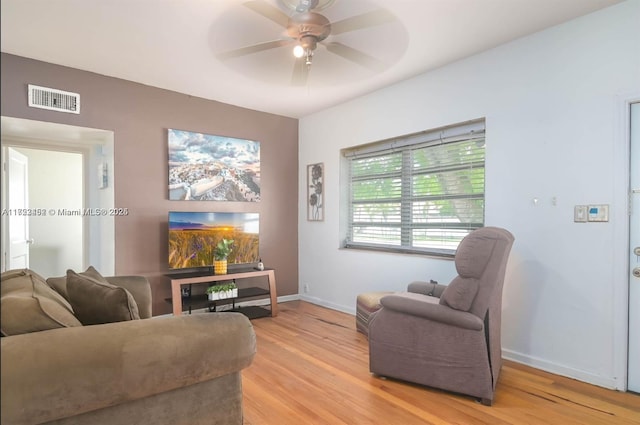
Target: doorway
[15,169]
[55,186]
[70,168]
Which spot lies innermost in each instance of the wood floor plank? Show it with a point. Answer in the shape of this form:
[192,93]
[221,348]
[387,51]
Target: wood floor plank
[312,367]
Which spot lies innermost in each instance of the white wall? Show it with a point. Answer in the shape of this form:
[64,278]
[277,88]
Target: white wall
[552,103]
[55,182]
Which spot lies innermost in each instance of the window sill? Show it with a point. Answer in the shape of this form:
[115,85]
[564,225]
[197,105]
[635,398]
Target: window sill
[441,255]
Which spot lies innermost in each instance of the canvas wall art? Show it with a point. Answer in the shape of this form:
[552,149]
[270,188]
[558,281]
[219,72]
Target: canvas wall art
[204,167]
[315,192]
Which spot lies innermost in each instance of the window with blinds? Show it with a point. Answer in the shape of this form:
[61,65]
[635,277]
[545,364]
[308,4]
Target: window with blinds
[418,193]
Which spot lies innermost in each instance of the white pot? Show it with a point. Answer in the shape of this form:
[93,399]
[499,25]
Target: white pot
[221,295]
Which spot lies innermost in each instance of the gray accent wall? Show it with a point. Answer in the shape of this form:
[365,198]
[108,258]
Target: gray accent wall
[140,116]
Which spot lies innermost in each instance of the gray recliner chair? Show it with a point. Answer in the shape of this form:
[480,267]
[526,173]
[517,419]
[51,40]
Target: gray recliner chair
[448,337]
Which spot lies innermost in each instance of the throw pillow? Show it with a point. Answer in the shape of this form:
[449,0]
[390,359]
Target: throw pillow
[96,302]
[94,274]
[460,293]
[60,283]
[28,304]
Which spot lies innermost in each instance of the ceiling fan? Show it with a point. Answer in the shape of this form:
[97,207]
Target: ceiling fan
[305,29]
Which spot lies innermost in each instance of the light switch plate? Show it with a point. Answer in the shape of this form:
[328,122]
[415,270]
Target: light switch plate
[598,213]
[580,214]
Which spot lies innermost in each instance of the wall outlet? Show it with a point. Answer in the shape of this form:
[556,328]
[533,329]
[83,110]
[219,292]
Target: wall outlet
[306,288]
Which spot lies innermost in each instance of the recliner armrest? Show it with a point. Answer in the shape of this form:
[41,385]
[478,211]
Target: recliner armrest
[430,308]
[433,289]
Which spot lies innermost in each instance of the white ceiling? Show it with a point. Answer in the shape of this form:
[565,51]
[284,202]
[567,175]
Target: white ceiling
[173,44]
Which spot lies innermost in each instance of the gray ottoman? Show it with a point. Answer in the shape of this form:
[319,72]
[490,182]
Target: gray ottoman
[367,303]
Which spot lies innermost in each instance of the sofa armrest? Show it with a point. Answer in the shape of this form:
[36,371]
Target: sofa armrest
[64,372]
[430,308]
[433,289]
[139,288]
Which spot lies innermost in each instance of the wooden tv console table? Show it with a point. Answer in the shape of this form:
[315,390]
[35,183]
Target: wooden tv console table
[179,279]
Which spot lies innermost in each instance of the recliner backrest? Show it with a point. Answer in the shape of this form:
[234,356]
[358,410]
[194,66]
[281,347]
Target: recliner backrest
[482,257]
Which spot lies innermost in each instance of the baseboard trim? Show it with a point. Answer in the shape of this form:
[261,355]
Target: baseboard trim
[323,303]
[558,369]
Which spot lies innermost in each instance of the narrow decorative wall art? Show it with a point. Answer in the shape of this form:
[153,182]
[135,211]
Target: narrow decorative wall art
[315,192]
[204,167]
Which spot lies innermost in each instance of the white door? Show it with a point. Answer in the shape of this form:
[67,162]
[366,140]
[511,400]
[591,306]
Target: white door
[17,203]
[634,260]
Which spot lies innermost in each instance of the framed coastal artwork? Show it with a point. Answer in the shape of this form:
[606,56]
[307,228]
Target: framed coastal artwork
[315,192]
[205,167]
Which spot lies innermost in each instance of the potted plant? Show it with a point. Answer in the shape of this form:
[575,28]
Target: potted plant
[222,291]
[220,254]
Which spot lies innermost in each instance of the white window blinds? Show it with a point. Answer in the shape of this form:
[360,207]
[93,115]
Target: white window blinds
[418,193]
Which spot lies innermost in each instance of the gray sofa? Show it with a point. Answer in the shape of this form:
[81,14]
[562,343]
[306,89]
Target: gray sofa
[138,370]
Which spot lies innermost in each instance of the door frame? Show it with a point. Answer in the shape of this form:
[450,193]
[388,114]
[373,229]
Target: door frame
[620,221]
[99,149]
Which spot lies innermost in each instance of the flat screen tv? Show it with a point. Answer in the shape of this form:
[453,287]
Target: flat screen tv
[194,235]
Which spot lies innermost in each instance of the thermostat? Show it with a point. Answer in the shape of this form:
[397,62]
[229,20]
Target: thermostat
[598,212]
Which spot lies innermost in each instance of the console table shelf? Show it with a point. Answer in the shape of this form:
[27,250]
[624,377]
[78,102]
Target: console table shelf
[187,303]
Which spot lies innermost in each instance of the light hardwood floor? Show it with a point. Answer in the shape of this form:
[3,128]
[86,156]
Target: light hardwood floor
[312,368]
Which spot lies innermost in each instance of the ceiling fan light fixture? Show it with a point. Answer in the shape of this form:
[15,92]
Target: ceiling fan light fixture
[298,51]
[305,47]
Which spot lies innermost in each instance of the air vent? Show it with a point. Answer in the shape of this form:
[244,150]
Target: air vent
[53,99]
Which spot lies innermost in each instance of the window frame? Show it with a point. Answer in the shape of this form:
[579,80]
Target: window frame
[467,132]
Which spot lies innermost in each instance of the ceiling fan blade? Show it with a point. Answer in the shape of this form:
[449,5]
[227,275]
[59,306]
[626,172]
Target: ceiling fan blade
[254,48]
[268,11]
[358,22]
[300,73]
[355,55]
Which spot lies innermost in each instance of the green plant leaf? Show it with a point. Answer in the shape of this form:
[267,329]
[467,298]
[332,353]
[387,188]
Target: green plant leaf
[222,287]
[223,249]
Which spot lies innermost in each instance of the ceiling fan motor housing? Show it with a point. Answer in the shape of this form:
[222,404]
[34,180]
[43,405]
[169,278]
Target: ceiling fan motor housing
[309,28]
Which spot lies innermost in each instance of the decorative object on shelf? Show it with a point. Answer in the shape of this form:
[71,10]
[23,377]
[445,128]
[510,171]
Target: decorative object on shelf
[315,192]
[260,265]
[222,251]
[203,167]
[221,292]
[186,291]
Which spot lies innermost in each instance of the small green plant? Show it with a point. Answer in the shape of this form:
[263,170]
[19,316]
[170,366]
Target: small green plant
[222,287]
[223,249]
